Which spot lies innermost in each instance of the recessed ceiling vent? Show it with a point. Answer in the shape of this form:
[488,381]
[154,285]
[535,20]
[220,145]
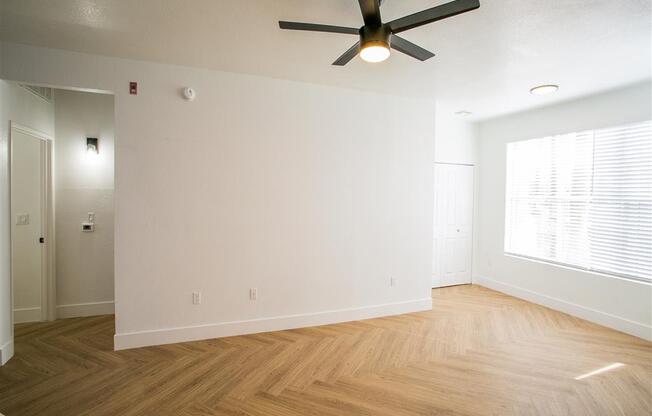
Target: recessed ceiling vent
[43,92]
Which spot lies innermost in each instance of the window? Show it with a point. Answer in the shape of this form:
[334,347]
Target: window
[583,200]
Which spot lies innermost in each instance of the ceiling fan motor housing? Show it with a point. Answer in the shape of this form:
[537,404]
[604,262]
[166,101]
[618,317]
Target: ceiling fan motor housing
[375,36]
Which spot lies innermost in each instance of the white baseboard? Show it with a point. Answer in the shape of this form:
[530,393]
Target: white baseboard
[6,351]
[627,326]
[24,315]
[226,329]
[85,309]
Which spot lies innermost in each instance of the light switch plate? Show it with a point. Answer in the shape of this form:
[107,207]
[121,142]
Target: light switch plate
[22,219]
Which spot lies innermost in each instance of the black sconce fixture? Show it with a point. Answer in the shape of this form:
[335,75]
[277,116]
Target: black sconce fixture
[92,145]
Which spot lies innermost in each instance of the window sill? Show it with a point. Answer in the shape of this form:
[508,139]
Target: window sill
[577,269]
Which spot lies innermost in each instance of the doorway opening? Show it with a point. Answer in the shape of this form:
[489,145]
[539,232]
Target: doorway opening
[61,165]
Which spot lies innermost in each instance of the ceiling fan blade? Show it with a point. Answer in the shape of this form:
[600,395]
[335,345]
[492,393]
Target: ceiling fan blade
[313,27]
[410,48]
[370,12]
[348,55]
[432,15]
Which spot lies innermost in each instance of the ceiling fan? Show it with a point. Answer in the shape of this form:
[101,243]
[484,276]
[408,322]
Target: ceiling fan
[376,37]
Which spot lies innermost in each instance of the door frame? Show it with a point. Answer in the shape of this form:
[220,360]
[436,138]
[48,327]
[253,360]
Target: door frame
[48,275]
[445,282]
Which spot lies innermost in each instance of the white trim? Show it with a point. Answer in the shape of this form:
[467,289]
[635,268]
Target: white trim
[24,315]
[278,323]
[449,281]
[29,131]
[85,309]
[6,352]
[627,326]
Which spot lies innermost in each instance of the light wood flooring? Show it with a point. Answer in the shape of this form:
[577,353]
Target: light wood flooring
[478,352]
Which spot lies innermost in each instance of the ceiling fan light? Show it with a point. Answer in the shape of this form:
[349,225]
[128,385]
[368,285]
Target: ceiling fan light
[375,52]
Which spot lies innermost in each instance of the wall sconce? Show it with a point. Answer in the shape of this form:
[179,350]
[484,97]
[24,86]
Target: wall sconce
[91,145]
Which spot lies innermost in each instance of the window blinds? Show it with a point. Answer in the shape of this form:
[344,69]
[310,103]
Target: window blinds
[583,200]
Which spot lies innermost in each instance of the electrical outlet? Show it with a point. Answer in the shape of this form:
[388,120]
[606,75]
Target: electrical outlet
[196,298]
[392,281]
[253,294]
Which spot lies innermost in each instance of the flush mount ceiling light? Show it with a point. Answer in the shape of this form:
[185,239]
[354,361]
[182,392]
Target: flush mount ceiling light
[376,37]
[463,113]
[544,89]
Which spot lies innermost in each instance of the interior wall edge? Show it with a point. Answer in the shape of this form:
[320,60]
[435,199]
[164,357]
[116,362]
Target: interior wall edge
[279,323]
[618,323]
[6,351]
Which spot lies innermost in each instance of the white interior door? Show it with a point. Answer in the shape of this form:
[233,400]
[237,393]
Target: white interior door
[27,226]
[453,225]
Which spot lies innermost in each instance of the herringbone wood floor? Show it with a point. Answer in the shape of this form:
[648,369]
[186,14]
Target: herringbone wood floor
[478,352]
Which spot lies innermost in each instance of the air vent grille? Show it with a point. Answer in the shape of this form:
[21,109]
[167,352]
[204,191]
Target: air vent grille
[43,92]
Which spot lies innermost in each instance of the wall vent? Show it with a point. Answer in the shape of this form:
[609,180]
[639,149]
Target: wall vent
[43,92]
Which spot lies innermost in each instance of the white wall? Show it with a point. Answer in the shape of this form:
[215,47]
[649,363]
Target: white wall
[83,183]
[315,195]
[20,105]
[619,303]
[456,140]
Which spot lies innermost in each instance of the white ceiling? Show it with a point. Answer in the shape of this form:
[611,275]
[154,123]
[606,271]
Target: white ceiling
[486,59]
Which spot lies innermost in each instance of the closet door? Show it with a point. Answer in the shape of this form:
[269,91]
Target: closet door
[453,225]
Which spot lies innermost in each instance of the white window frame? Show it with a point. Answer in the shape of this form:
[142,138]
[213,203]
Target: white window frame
[509,212]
